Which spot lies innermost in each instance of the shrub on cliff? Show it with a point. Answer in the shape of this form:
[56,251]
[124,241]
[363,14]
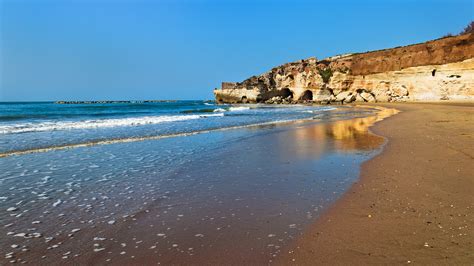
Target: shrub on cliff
[326,74]
[468,29]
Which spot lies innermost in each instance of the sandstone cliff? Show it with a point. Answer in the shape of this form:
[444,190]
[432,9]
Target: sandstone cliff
[442,69]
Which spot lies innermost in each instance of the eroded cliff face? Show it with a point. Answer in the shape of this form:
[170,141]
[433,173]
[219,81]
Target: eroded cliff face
[437,70]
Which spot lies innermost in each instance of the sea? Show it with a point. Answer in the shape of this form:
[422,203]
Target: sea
[39,125]
[175,182]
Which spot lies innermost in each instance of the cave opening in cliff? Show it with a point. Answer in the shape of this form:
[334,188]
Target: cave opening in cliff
[285,93]
[307,95]
[433,73]
[244,99]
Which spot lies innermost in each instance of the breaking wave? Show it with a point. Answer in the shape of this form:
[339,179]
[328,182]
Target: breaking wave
[239,108]
[135,139]
[102,123]
[318,111]
[232,109]
[217,110]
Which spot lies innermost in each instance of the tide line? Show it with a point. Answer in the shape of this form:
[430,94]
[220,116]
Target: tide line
[135,139]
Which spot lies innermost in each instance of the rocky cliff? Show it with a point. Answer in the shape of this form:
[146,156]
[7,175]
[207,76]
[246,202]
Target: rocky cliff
[441,69]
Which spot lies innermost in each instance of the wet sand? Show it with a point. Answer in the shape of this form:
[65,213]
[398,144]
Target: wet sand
[414,203]
[233,197]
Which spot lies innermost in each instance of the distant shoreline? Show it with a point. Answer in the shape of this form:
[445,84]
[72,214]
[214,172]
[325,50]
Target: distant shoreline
[107,102]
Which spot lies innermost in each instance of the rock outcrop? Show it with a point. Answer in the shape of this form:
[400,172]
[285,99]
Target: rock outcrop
[442,69]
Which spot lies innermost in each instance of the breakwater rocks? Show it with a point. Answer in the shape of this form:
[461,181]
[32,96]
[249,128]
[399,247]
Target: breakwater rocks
[437,70]
[107,102]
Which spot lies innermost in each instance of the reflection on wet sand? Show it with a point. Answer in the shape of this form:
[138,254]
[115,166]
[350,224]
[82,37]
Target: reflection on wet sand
[344,136]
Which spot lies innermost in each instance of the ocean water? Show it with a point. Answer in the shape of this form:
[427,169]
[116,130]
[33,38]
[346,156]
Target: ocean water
[30,126]
[172,183]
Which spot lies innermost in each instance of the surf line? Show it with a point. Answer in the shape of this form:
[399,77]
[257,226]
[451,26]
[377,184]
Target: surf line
[135,139]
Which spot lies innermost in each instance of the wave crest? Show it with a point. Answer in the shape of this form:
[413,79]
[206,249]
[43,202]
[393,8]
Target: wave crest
[238,108]
[102,123]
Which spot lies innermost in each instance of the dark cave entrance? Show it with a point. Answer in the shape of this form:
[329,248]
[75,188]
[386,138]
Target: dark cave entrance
[285,93]
[307,95]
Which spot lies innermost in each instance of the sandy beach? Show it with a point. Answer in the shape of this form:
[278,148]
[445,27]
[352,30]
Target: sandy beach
[319,191]
[413,203]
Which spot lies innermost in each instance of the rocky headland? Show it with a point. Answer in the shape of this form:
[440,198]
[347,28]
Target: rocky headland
[438,70]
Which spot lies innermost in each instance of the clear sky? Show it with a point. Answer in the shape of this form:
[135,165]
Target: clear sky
[143,49]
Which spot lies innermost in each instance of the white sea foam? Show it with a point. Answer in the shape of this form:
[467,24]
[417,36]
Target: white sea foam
[102,123]
[231,109]
[319,110]
[134,139]
[239,108]
[212,115]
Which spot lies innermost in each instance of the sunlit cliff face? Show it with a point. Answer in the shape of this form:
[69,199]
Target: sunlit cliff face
[344,136]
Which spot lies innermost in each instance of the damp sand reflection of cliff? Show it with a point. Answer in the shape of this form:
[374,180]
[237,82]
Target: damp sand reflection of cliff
[345,136]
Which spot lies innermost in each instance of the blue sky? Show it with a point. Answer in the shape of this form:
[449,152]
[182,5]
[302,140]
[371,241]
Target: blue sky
[143,49]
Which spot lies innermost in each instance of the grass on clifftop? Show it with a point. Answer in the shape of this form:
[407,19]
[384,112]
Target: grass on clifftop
[326,74]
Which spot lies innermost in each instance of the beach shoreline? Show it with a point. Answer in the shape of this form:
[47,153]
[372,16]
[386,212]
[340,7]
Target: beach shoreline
[412,203]
[163,136]
[137,203]
[282,186]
